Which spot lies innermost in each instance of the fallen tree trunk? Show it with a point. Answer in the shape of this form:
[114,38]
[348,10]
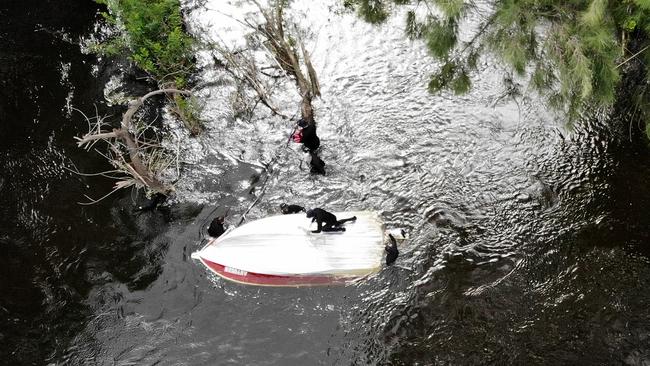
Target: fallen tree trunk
[128,153]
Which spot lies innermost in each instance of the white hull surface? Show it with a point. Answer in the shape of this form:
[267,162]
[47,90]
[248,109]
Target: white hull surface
[282,251]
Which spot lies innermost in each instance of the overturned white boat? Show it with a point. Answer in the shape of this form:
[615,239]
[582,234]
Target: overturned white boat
[282,251]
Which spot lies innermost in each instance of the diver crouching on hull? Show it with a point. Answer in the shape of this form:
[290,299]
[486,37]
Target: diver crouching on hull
[326,221]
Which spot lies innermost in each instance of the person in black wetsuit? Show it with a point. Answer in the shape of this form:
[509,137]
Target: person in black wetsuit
[309,138]
[306,134]
[216,227]
[290,209]
[326,221]
[317,165]
[391,251]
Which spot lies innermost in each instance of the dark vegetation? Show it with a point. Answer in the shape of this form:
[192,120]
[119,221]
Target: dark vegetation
[155,37]
[152,34]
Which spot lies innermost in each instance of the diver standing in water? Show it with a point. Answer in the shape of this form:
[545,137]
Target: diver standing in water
[391,248]
[216,227]
[306,134]
[316,164]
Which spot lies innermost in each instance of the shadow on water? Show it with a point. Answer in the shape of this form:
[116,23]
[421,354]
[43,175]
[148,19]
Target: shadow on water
[53,251]
[34,261]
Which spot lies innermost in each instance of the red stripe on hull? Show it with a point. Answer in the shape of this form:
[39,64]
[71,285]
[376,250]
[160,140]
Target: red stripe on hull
[273,280]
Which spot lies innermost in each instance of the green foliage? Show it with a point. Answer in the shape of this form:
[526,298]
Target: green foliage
[413,28]
[472,59]
[629,25]
[372,11]
[442,78]
[450,76]
[461,84]
[452,9]
[440,37]
[595,13]
[584,51]
[643,4]
[512,49]
[151,33]
[154,36]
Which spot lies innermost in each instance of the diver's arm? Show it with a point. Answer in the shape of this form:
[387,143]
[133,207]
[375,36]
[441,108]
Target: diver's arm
[392,240]
[320,226]
[391,250]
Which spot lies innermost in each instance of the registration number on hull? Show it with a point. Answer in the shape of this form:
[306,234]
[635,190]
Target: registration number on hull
[235,271]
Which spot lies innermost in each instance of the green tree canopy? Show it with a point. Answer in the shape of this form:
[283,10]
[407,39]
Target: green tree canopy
[573,52]
[154,35]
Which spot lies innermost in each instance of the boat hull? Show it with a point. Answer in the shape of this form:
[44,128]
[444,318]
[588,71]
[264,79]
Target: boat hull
[282,251]
[261,279]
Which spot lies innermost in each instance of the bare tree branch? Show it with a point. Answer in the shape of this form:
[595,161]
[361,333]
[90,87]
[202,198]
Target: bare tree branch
[128,152]
[81,141]
[279,47]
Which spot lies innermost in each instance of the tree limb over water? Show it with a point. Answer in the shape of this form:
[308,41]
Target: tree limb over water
[577,54]
[140,160]
[285,51]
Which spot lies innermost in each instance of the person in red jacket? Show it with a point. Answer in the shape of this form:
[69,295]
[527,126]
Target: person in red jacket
[307,135]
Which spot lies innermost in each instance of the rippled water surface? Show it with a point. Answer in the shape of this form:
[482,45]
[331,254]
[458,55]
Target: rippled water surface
[528,240]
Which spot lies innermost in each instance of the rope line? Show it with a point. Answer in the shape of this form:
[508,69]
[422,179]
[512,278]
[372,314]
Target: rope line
[270,172]
[269,169]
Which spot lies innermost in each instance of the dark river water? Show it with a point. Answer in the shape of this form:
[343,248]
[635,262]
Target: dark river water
[529,241]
